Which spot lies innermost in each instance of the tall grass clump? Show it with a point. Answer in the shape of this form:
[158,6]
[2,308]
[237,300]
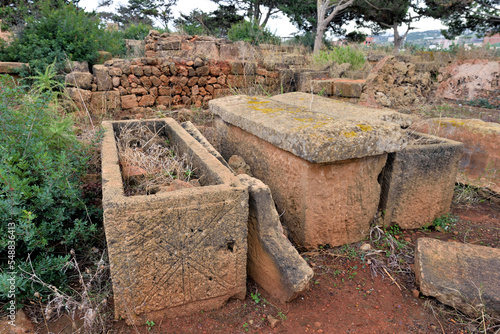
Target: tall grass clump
[43,213]
[341,55]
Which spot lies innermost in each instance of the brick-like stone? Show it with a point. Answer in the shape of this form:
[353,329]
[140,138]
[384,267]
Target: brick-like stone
[146,82]
[129,101]
[192,81]
[147,101]
[115,72]
[463,276]
[136,70]
[202,71]
[174,253]
[155,81]
[164,100]
[273,262]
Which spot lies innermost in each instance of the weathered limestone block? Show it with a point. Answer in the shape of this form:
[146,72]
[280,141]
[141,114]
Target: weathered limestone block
[103,78]
[242,67]
[273,262]
[418,181]
[82,80]
[339,109]
[480,163]
[103,102]
[348,87]
[322,169]
[463,276]
[81,97]
[179,252]
[76,66]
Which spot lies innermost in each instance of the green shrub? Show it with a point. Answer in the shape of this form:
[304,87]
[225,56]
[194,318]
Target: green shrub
[251,33]
[41,165]
[341,55]
[139,31]
[57,33]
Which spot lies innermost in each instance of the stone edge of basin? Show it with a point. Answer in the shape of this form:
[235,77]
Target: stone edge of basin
[317,137]
[112,184]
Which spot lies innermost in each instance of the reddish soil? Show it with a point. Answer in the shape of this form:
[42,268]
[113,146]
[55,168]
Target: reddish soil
[344,296]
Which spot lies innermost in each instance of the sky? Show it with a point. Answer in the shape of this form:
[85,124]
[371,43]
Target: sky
[281,26]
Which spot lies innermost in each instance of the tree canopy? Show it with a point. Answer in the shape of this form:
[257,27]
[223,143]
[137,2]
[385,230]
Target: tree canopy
[216,23]
[479,16]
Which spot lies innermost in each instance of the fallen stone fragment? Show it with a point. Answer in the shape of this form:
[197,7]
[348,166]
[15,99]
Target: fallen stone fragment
[272,321]
[463,276]
[272,261]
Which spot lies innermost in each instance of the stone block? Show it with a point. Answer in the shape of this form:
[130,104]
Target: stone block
[304,78]
[174,253]
[348,87]
[81,97]
[103,78]
[273,262]
[480,163]
[322,87]
[242,67]
[463,276]
[129,101]
[81,80]
[323,203]
[418,181]
[102,102]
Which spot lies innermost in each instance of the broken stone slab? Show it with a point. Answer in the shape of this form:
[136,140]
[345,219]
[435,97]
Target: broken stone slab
[174,253]
[318,137]
[328,203]
[463,276]
[82,80]
[304,79]
[346,110]
[272,262]
[12,67]
[418,181]
[322,87]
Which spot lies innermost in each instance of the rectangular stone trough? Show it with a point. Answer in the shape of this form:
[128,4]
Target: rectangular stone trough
[322,167]
[177,252]
[418,182]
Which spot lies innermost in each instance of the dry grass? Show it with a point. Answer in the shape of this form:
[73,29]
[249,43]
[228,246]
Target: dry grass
[154,156]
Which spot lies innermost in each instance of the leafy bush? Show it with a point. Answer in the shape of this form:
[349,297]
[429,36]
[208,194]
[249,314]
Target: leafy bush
[341,55]
[251,33]
[41,164]
[58,32]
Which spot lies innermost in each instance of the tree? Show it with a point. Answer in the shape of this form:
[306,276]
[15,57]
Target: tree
[356,37]
[327,10]
[216,23]
[385,14]
[15,12]
[480,16]
[258,11]
[141,12]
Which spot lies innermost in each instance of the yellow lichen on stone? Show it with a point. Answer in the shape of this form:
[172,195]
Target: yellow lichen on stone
[303,119]
[365,127]
[349,134]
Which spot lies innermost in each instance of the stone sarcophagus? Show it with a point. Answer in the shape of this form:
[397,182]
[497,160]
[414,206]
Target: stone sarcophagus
[320,159]
[178,252]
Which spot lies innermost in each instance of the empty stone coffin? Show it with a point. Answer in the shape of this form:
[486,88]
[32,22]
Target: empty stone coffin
[177,252]
[418,181]
[321,166]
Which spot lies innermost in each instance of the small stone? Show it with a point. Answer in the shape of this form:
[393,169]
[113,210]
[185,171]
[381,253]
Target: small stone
[176,185]
[272,321]
[365,247]
[133,172]
[415,293]
[317,324]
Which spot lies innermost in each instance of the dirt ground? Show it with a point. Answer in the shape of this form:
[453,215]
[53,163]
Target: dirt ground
[344,296]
